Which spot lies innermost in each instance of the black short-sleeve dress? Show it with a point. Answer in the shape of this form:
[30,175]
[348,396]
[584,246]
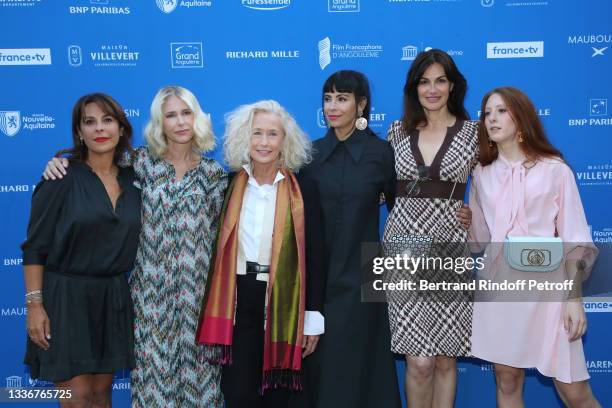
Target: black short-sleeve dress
[86,247]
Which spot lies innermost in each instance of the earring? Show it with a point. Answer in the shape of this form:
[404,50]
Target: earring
[81,139]
[361,123]
[490,143]
[520,137]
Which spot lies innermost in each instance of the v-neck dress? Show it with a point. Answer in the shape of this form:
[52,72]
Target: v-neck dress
[86,247]
[179,225]
[432,323]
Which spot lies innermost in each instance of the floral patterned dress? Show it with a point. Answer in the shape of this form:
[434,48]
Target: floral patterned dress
[179,224]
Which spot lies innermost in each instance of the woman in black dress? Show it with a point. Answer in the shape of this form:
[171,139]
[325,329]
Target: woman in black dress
[351,167]
[82,239]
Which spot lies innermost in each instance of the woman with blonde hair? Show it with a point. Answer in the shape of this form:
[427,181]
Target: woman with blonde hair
[257,316]
[182,194]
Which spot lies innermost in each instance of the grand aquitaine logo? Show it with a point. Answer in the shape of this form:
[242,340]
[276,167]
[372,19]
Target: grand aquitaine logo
[100,7]
[11,122]
[186,55]
[168,6]
[329,51]
[343,6]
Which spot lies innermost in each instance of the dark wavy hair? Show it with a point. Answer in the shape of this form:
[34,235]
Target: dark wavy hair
[348,81]
[78,152]
[414,114]
[535,142]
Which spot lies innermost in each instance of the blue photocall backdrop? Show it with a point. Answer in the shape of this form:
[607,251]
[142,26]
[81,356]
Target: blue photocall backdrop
[230,52]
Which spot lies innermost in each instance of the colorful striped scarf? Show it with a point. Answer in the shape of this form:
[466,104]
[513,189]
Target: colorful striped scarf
[282,354]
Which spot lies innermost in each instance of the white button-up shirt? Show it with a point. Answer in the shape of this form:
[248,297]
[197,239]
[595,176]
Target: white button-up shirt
[256,227]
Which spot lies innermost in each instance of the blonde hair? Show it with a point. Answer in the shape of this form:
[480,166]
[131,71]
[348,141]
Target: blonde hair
[296,150]
[203,138]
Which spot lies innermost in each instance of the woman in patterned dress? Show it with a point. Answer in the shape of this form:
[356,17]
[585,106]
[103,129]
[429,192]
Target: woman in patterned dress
[433,141]
[182,194]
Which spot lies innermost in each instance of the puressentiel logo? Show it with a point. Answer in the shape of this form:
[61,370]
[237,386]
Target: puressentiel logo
[266,5]
[25,56]
[186,55]
[526,49]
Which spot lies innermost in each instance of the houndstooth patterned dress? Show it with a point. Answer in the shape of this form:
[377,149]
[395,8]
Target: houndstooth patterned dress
[179,224]
[426,323]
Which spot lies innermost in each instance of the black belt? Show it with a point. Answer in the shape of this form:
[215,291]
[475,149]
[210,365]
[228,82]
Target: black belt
[254,267]
[430,189]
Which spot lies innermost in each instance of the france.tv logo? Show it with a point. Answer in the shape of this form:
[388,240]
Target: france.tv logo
[186,55]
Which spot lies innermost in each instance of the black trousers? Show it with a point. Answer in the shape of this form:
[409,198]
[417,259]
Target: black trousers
[241,381]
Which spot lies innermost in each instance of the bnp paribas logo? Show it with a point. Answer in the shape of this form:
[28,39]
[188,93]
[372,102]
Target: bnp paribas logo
[167,6]
[10,122]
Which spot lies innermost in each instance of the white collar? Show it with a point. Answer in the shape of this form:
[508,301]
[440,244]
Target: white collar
[248,169]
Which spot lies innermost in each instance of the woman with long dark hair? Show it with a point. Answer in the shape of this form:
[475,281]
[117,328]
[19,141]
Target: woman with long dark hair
[82,239]
[523,189]
[435,149]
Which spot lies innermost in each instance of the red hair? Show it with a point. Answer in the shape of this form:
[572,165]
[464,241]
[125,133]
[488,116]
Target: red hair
[535,143]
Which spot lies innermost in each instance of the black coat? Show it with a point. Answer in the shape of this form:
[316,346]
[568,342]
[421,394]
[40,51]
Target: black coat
[353,365]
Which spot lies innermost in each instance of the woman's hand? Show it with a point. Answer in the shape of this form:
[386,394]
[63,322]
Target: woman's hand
[464,216]
[39,327]
[574,319]
[56,168]
[309,345]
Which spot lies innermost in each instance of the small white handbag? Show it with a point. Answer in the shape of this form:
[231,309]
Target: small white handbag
[534,254]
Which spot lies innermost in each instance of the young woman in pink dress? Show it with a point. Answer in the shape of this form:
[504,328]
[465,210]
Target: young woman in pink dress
[523,187]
